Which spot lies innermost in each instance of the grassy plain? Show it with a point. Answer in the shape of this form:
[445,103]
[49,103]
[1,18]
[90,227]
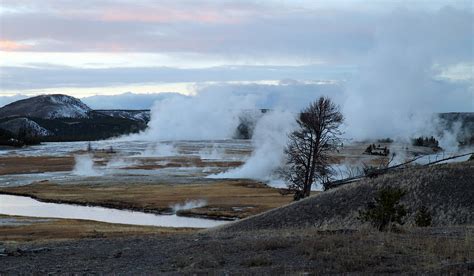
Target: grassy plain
[225,198]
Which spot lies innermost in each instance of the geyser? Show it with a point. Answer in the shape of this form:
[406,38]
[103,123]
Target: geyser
[84,166]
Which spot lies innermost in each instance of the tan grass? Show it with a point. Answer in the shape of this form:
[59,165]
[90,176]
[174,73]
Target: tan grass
[221,196]
[64,229]
[35,164]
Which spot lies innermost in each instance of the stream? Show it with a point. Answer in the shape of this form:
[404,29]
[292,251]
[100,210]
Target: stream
[26,206]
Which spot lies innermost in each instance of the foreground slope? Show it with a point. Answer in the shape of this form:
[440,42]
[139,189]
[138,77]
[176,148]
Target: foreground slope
[446,190]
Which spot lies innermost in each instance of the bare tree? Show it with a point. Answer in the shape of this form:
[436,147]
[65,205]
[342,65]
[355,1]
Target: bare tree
[309,146]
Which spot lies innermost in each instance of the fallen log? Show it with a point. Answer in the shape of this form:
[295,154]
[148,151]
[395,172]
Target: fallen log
[377,172]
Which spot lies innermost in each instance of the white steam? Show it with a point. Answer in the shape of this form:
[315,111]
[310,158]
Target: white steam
[160,150]
[84,166]
[205,116]
[118,163]
[211,153]
[190,204]
[269,141]
[212,114]
[398,89]
[448,138]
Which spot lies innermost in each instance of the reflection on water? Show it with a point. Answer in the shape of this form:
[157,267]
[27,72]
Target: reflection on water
[25,206]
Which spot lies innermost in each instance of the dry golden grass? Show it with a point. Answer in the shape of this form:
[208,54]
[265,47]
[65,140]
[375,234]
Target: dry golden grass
[65,229]
[35,164]
[362,250]
[221,196]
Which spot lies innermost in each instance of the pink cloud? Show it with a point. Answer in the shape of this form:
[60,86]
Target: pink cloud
[10,45]
[167,16]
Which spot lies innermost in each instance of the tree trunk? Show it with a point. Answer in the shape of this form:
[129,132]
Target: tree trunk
[312,170]
[307,180]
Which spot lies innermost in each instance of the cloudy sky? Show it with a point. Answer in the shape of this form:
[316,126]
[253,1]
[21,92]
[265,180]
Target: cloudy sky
[105,47]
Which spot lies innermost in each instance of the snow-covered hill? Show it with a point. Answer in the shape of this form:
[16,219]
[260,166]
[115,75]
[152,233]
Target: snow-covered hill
[135,115]
[47,107]
[65,118]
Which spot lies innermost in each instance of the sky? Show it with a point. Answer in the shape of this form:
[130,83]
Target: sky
[113,51]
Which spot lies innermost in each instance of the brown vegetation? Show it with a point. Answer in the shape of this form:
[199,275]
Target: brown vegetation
[35,164]
[364,251]
[177,162]
[30,229]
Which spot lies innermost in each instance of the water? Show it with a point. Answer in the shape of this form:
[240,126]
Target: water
[133,148]
[25,206]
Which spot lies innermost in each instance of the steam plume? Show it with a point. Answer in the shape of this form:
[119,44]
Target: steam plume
[398,88]
[84,166]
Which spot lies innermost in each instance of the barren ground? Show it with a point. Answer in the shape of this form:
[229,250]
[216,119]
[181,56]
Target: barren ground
[292,251]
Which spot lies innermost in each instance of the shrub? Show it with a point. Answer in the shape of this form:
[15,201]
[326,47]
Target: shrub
[386,209]
[377,150]
[369,149]
[423,217]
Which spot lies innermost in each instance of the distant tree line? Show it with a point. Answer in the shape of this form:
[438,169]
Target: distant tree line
[23,138]
[429,142]
[385,140]
[377,150]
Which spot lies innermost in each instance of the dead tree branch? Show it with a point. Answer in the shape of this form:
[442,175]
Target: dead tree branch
[377,172]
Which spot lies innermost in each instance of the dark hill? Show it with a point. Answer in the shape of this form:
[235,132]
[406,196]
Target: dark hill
[65,118]
[447,190]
